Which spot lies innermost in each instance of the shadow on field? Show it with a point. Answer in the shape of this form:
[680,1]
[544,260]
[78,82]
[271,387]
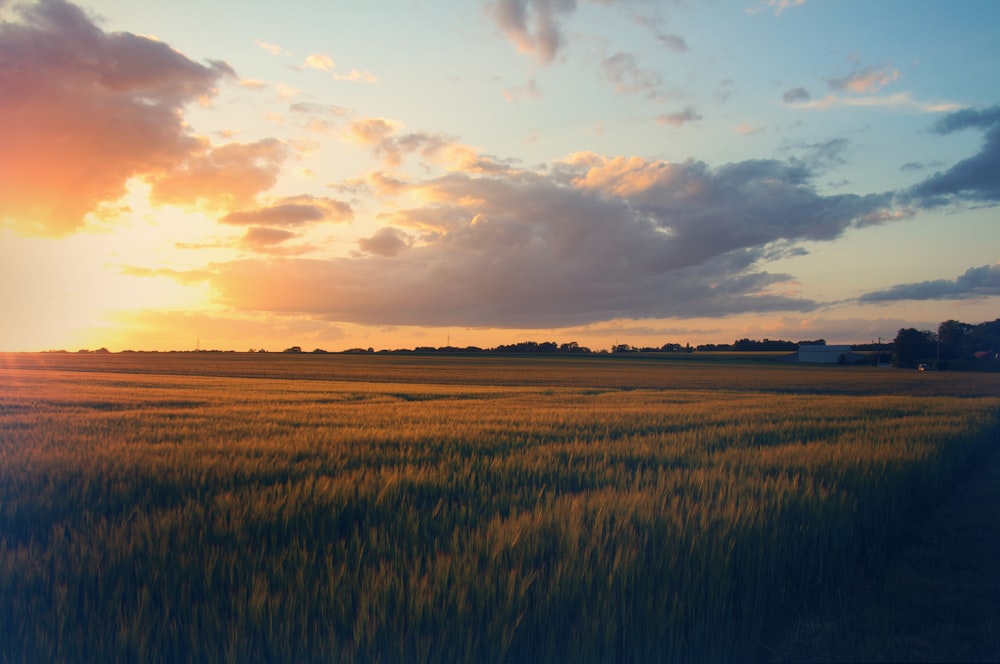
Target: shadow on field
[938,599]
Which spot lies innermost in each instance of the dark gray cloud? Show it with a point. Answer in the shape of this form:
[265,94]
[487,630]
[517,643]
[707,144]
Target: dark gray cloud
[975,282]
[975,179]
[591,239]
[795,95]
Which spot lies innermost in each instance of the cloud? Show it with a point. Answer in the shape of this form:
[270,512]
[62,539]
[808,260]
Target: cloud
[529,89]
[273,49]
[795,95]
[183,276]
[320,118]
[532,25]
[919,165]
[354,76]
[590,238]
[822,155]
[864,81]
[725,91]
[384,138]
[292,211]
[976,282]
[673,42]
[221,177]
[261,237]
[323,62]
[976,178]
[84,111]
[628,77]
[681,118]
[386,241]
[898,100]
[745,129]
[780,6]
[320,61]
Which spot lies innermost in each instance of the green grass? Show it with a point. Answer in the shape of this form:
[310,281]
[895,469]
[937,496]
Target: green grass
[237,507]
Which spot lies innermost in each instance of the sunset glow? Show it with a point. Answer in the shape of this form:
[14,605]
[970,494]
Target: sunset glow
[397,174]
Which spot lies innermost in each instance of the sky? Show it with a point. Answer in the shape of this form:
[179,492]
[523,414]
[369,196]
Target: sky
[245,175]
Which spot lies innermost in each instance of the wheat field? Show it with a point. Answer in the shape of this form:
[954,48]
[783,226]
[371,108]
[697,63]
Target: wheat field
[243,507]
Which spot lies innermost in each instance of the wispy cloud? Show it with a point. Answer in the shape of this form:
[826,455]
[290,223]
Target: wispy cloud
[866,80]
[624,71]
[354,76]
[388,143]
[529,90]
[324,63]
[745,129]
[903,100]
[273,49]
[780,6]
[680,118]
[673,42]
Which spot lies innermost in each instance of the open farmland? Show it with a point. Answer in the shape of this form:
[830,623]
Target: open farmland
[244,507]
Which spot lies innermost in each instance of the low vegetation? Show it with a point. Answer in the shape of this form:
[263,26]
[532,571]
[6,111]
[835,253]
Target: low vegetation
[238,507]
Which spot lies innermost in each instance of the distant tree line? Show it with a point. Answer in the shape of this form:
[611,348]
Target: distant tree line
[767,345]
[955,345]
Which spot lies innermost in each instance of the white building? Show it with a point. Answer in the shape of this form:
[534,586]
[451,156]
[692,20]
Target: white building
[828,354]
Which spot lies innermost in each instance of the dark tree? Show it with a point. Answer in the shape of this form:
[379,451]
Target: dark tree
[952,336]
[912,347]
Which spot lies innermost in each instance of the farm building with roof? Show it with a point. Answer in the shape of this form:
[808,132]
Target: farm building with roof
[818,354]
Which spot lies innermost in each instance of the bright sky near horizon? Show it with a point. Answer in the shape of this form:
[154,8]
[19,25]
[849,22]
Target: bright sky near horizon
[402,173]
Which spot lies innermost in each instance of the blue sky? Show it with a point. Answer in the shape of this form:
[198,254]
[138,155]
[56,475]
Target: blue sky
[392,174]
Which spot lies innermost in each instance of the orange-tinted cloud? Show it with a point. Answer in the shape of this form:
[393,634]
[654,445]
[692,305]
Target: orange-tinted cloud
[222,177]
[265,237]
[383,138]
[292,211]
[866,80]
[84,111]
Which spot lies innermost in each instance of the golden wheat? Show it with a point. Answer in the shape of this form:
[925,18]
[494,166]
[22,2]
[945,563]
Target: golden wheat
[403,509]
